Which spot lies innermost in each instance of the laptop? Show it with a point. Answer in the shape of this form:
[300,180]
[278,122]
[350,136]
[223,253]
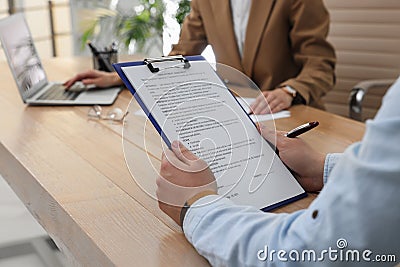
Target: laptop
[30,76]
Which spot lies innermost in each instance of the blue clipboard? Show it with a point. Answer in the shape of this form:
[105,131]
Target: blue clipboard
[118,67]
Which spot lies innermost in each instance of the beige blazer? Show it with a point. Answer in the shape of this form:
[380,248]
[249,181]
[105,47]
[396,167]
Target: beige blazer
[285,43]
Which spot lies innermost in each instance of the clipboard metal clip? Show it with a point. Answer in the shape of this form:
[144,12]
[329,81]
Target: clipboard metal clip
[150,61]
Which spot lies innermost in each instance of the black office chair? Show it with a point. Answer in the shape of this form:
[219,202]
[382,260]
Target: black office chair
[361,110]
[365,35]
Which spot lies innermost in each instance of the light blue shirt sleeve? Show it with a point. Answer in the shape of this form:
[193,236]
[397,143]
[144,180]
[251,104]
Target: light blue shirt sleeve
[330,162]
[356,213]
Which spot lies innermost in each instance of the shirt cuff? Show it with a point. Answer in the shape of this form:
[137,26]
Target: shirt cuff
[330,162]
[198,210]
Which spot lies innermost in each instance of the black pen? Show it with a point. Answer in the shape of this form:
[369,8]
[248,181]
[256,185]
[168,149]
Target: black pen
[93,48]
[302,129]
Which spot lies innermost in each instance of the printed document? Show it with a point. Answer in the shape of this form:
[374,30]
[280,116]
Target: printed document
[245,102]
[194,106]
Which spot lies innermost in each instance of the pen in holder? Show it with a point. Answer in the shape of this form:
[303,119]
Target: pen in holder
[103,60]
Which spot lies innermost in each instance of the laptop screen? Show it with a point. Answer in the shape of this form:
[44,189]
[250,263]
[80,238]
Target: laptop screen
[21,53]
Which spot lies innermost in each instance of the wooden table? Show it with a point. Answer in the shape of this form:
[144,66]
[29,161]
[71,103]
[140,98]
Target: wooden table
[70,172]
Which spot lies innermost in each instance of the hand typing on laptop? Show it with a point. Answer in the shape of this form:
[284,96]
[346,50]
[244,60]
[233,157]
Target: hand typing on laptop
[78,87]
[97,78]
[31,80]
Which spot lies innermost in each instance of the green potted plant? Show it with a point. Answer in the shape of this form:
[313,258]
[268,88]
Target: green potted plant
[183,10]
[144,24]
[143,28]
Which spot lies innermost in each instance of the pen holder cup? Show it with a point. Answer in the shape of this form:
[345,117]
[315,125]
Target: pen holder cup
[108,57]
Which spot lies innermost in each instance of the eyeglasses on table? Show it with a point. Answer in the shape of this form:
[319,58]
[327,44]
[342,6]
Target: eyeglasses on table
[116,114]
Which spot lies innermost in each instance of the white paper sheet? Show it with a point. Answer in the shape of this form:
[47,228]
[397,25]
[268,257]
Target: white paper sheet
[245,103]
[194,106]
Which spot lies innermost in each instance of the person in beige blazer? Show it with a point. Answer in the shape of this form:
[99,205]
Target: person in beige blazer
[285,45]
[285,51]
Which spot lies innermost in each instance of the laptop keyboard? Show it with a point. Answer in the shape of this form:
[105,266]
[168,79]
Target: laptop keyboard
[57,92]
